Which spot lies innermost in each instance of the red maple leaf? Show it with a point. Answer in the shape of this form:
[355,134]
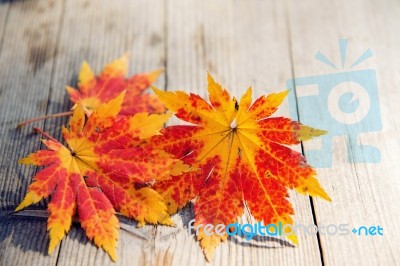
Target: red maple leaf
[92,90]
[95,175]
[243,159]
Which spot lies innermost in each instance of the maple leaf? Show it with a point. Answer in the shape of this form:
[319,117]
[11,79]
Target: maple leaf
[96,174]
[243,158]
[92,90]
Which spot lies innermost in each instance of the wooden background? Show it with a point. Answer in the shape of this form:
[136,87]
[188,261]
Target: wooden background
[242,43]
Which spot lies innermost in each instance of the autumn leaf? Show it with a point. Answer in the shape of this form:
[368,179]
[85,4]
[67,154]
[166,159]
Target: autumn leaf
[92,90]
[105,168]
[243,156]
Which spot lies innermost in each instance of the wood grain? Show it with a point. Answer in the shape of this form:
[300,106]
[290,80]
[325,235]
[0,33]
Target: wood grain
[27,55]
[23,241]
[4,8]
[27,58]
[241,43]
[99,32]
[220,37]
[363,194]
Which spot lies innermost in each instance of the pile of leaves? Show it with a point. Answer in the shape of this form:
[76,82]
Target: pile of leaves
[118,157]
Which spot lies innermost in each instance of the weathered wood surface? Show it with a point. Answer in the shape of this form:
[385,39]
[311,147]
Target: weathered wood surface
[242,43]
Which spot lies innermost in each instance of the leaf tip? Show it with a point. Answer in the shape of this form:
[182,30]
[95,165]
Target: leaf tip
[86,75]
[156,90]
[325,196]
[284,93]
[19,208]
[113,254]
[248,91]
[152,76]
[209,255]
[52,246]
[25,160]
[210,78]
[293,238]
[70,90]
[322,132]
[30,198]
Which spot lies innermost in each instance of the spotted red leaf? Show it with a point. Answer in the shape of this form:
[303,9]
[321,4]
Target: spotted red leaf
[242,156]
[104,168]
[92,90]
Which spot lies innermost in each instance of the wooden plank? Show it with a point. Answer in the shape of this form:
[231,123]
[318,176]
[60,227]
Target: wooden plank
[23,241]
[27,53]
[135,247]
[4,8]
[241,44]
[27,58]
[101,31]
[363,194]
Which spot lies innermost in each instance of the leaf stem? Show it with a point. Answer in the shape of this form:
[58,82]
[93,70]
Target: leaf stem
[38,130]
[23,123]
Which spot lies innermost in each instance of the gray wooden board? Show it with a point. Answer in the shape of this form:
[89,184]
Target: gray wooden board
[137,28]
[241,43]
[23,241]
[4,8]
[26,66]
[218,37]
[362,194]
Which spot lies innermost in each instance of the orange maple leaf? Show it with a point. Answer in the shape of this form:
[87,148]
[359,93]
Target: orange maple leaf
[92,90]
[243,157]
[96,174]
